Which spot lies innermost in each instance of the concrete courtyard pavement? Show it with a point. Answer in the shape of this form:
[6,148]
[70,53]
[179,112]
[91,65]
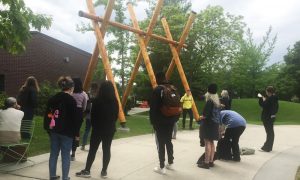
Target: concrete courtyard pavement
[134,159]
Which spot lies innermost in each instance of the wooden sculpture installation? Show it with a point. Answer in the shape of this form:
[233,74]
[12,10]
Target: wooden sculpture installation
[143,39]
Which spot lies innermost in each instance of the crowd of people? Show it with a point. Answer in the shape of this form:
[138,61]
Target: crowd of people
[67,109]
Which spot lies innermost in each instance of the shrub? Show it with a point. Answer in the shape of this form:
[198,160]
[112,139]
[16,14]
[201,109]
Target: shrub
[3,96]
[295,99]
[130,104]
[47,90]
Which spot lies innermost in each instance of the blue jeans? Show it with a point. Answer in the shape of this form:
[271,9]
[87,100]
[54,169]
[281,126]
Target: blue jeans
[86,131]
[64,144]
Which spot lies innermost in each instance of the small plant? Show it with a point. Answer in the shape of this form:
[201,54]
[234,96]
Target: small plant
[3,96]
[47,90]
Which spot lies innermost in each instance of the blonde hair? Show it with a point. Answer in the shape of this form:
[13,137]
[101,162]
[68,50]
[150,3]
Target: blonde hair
[224,93]
[214,98]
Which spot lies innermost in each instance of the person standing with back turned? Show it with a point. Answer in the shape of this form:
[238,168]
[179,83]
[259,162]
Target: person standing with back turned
[104,115]
[269,106]
[162,125]
[27,99]
[61,123]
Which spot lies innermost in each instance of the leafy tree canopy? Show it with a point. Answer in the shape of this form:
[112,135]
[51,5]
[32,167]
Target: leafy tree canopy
[15,22]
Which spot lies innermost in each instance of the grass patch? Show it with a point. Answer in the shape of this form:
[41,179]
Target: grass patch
[249,108]
[139,123]
[297,177]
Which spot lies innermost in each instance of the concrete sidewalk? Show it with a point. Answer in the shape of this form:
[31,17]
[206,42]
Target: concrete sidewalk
[134,159]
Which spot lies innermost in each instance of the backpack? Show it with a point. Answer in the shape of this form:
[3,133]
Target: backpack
[171,105]
[216,116]
[56,117]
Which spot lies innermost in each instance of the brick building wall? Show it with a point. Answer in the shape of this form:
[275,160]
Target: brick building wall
[45,58]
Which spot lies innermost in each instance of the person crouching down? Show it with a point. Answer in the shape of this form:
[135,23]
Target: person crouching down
[235,126]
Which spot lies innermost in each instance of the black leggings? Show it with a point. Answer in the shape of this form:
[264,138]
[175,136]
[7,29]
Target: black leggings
[164,138]
[95,141]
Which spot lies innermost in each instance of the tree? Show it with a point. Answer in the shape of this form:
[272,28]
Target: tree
[288,82]
[15,23]
[247,69]
[213,41]
[119,46]
[213,44]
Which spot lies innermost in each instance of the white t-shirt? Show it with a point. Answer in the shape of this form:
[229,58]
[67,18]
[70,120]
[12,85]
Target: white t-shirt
[10,124]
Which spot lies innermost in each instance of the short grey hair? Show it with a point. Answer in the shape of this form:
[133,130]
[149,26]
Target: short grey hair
[10,102]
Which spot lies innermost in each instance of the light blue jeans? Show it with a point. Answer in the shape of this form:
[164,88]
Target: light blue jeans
[64,144]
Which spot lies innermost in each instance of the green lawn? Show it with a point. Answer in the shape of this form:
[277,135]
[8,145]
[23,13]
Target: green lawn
[138,124]
[289,113]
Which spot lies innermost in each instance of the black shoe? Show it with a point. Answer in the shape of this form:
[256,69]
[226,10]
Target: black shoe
[265,149]
[103,174]
[236,159]
[54,177]
[83,173]
[203,165]
[211,164]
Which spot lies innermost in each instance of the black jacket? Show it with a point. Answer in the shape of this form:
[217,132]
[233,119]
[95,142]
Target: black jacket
[156,117]
[27,97]
[269,107]
[226,101]
[104,115]
[72,124]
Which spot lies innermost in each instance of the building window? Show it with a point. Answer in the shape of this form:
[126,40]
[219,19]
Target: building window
[2,78]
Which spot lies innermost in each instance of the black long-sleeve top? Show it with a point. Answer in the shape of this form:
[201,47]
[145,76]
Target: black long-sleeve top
[269,107]
[27,98]
[156,117]
[226,101]
[72,123]
[104,115]
[209,129]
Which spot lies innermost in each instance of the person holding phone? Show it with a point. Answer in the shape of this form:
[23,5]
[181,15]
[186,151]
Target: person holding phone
[270,107]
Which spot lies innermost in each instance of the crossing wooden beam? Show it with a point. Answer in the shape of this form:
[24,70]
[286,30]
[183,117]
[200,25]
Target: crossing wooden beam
[105,59]
[128,28]
[94,58]
[179,65]
[143,48]
[140,56]
[182,39]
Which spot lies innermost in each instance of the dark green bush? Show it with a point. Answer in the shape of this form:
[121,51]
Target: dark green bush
[46,91]
[3,96]
[130,104]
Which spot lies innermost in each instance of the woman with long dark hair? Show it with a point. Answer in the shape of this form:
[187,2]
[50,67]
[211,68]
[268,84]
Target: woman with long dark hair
[27,99]
[104,115]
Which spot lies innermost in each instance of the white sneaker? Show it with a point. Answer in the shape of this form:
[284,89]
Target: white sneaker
[159,170]
[170,166]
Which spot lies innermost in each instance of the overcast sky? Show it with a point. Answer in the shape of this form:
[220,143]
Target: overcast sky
[283,16]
